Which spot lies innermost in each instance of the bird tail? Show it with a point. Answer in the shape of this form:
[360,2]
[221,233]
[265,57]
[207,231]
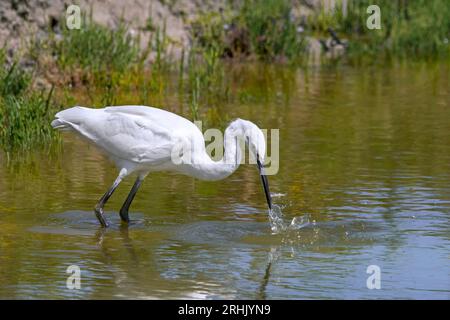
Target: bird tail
[65,120]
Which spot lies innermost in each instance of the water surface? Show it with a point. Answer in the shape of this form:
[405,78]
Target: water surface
[364,161]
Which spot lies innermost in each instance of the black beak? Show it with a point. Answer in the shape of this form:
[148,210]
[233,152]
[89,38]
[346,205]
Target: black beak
[265,183]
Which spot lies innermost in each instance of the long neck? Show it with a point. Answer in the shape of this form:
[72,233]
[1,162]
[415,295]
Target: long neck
[205,168]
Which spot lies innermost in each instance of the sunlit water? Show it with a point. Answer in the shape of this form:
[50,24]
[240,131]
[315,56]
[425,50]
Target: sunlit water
[364,180]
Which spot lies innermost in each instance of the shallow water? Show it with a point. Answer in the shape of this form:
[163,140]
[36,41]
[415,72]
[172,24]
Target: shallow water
[364,170]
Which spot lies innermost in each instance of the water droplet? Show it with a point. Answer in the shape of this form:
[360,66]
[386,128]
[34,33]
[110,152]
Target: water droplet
[278,224]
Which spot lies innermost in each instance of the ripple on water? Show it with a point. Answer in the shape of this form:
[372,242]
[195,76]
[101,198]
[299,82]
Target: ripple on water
[298,233]
[84,223]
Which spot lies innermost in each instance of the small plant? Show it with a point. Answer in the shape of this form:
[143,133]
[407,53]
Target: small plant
[195,97]
[272,32]
[209,31]
[25,121]
[13,80]
[160,47]
[24,116]
[206,81]
[261,28]
[149,25]
[97,49]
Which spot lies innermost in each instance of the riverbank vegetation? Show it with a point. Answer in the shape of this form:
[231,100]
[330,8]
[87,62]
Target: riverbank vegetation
[25,114]
[418,29]
[258,29]
[99,66]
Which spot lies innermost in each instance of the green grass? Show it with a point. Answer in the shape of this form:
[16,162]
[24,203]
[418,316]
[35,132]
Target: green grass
[13,80]
[113,71]
[207,84]
[418,29]
[24,115]
[97,49]
[271,31]
[265,29]
[102,57]
[260,28]
[25,122]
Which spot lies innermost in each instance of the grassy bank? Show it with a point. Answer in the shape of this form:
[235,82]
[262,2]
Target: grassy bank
[418,29]
[107,67]
[25,114]
[268,30]
[261,29]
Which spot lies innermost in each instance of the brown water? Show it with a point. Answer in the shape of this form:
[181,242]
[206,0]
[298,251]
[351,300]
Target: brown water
[364,161]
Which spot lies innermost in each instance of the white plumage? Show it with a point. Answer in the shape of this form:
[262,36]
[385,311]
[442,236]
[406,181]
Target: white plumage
[143,139]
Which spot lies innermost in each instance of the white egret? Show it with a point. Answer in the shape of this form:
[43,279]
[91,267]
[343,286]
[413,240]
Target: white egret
[140,139]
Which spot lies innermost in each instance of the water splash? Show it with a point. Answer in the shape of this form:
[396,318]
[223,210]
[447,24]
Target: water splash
[278,223]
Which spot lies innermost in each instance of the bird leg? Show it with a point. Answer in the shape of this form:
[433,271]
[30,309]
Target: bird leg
[101,203]
[127,203]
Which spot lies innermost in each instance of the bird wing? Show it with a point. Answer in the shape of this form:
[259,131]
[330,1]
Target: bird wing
[133,133]
[136,138]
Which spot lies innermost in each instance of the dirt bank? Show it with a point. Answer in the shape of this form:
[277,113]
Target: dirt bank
[22,20]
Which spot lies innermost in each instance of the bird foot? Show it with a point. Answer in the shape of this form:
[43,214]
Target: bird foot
[99,214]
[124,216]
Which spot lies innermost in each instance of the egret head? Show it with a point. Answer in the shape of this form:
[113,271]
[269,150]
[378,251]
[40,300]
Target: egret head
[256,142]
